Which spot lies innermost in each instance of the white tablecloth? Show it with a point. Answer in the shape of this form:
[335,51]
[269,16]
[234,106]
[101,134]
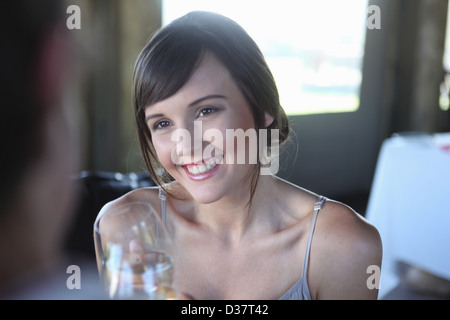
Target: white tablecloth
[410,205]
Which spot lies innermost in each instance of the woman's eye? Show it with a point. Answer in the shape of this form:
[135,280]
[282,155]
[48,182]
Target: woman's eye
[206,111]
[161,125]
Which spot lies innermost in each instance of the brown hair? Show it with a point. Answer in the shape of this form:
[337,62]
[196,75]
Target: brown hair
[172,55]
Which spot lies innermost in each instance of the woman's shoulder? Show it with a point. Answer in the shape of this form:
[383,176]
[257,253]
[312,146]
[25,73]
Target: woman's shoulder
[335,218]
[338,218]
[148,195]
[346,245]
[339,224]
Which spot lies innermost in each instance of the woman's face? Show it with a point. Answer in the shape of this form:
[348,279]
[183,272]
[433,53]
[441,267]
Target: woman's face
[199,134]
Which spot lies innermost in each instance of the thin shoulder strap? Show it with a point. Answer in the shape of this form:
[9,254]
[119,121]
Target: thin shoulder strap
[162,195]
[317,206]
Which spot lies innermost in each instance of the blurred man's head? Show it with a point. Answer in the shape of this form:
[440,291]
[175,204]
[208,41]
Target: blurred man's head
[37,155]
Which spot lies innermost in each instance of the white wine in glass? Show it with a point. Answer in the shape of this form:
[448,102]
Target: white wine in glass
[134,253]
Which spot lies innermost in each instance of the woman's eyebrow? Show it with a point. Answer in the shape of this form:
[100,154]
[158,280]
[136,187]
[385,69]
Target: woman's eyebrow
[211,96]
[151,116]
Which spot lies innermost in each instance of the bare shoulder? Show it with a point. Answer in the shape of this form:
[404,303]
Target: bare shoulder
[149,195]
[340,222]
[145,195]
[109,226]
[336,221]
[344,246]
[344,250]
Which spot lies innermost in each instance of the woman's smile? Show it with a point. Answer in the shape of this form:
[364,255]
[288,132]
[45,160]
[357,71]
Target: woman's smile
[203,170]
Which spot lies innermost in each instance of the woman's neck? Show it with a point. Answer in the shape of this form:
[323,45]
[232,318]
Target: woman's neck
[232,217]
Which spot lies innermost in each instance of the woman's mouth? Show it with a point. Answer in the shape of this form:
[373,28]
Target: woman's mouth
[202,170]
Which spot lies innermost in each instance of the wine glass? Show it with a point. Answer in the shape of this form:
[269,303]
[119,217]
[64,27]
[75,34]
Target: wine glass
[134,253]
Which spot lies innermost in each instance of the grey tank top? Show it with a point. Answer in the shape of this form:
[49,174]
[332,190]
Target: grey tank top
[300,290]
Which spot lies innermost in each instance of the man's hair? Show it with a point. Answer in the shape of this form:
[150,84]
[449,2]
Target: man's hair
[23,24]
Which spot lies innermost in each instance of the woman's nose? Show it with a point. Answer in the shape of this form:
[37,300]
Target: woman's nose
[188,141]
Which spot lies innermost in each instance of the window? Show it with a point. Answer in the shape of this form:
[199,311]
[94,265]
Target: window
[314,48]
[444,99]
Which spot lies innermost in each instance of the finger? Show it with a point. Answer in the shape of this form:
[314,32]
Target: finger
[136,247]
[136,251]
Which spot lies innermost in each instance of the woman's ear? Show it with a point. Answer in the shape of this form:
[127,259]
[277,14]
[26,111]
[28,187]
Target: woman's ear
[268,119]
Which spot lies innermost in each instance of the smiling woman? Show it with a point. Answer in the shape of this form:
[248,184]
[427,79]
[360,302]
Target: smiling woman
[211,98]
[172,56]
[237,233]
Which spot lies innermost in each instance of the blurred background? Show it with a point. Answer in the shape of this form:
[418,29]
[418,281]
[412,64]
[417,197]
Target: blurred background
[351,73]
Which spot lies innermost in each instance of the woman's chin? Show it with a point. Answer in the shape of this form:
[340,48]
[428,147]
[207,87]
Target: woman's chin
[206,197]
[200,193]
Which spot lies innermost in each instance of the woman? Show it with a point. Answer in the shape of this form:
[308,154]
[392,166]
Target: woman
[239,234]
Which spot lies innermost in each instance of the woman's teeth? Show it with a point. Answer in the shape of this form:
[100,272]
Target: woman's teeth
[203,167]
